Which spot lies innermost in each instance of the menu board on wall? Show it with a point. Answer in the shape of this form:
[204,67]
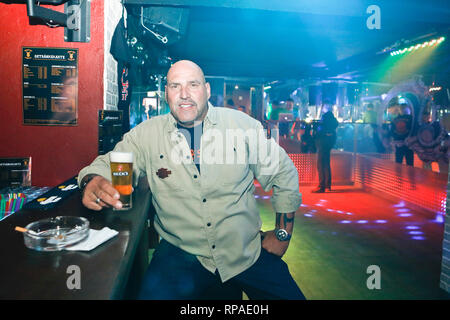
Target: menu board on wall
[15,172]
[50,86]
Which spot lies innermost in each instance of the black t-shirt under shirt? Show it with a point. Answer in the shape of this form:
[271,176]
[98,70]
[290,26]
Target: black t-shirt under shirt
[193,136]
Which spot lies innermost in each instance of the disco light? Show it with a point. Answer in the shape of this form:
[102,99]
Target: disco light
[418,46]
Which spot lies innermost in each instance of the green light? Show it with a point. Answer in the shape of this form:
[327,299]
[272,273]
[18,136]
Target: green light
[269,110]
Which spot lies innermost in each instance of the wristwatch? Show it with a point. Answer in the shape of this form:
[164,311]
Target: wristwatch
[282,235]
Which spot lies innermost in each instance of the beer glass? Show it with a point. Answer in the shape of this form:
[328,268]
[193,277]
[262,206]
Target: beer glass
[122,176]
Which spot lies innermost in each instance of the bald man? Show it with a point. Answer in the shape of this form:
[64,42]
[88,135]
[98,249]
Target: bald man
[206,213]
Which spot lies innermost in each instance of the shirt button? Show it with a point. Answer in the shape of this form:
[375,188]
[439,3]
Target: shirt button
[195,176]
[204,200]
[213,246]
[209,224]
[161,156]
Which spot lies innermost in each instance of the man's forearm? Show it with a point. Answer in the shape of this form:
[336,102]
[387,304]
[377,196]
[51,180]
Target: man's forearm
[285,221]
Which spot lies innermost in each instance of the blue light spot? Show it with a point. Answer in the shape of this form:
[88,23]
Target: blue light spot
[256,196]
[266,197]
[349,213]
[400,204]
[308,215]
[412,227]
[339,211]
[402,210]
[403,215]
[330,210]
[415,232]
[362,221]
[418,238]
[439,218]
[345,221]
[303,205]
[380,221]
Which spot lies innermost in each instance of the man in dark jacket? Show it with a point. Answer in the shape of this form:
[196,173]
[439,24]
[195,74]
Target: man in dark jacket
[325,139]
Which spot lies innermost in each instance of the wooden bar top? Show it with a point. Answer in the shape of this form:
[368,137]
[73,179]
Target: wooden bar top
[105,271]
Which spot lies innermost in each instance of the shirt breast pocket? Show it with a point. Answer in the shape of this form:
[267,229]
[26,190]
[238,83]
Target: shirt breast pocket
[164,174]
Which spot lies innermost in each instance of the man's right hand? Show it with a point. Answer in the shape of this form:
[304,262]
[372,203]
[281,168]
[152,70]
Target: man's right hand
[99,193]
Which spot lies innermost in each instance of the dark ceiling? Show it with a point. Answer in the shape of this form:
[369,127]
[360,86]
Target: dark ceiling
[298,39]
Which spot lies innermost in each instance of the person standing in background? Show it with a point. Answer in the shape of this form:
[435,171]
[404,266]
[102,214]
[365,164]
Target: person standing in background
[325,138]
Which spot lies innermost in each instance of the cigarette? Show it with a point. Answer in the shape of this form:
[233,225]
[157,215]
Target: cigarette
[23,230]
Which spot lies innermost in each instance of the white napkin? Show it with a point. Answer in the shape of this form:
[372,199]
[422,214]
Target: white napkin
[94,239]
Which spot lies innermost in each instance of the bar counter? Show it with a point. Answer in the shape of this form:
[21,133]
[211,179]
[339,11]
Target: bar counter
[113,270]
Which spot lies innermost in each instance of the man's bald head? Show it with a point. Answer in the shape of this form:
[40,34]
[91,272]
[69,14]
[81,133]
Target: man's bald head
[187,93]
[185,65]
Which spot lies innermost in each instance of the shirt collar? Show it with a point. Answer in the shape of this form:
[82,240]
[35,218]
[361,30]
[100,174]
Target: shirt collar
[211,117]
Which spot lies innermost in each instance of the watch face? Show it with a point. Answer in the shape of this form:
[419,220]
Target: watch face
[282,235]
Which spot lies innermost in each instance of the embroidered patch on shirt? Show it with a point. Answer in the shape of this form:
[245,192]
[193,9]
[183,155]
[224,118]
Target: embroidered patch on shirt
[163,173]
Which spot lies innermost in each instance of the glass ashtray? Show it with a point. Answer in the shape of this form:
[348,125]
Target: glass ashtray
[54,234]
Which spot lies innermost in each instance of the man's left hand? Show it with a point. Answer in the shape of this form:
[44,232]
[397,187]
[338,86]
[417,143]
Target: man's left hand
[272,244]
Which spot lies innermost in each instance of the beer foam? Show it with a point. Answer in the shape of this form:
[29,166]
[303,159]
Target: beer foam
[126,157]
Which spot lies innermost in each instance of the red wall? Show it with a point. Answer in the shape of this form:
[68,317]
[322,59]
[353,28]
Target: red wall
[57,152]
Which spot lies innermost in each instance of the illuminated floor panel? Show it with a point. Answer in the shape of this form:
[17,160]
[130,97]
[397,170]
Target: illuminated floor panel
[338,235]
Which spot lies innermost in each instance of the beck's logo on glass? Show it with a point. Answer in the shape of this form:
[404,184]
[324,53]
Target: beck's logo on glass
[163,173]
[120,172]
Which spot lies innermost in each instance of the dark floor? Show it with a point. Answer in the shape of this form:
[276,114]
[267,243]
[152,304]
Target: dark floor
[338,235]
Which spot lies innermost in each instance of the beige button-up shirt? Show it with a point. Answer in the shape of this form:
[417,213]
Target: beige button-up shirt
[211,214]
